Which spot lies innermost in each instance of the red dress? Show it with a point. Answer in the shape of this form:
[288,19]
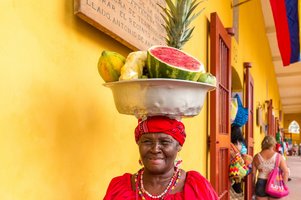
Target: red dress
[196,188]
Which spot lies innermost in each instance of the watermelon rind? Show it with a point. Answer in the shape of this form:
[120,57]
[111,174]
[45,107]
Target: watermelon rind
[160,69]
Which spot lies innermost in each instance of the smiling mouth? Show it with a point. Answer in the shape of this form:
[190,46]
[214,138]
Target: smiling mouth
[156,161]
[155,158]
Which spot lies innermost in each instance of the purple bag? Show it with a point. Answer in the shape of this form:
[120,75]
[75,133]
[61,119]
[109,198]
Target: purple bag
[275,186]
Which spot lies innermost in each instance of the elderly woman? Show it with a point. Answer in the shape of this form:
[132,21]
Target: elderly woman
[264,163]
[159,140]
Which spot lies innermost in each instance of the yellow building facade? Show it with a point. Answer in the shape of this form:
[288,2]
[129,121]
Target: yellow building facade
[61,136]
[288,119]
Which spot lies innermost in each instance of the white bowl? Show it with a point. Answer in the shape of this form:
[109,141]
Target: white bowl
[167,97]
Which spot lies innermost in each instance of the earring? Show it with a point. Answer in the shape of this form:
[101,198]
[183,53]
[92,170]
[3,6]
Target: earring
[140,162]
[178,161]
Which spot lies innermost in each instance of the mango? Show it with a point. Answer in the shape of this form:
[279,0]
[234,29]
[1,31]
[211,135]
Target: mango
[109,65]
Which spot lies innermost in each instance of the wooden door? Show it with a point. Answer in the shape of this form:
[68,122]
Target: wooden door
[276,125]
[271,119]
[249,131]
[220,66]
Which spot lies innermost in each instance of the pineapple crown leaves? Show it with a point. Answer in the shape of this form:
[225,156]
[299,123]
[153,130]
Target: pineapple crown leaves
[177,18]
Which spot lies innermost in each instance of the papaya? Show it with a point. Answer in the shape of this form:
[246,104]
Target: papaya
[109,65]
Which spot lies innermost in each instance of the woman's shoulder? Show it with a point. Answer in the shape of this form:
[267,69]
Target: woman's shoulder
[123,179]
[120,187]
[261,154]
[199,186]
[265,155]
[196,177]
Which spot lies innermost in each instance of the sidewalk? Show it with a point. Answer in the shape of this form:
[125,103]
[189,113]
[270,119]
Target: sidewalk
[294,163]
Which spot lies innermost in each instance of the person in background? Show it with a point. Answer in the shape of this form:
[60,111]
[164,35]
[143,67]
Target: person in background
[279,148]
[159,140]
[290,148]
[237,145]
[295,149]
[263,163]
[285,154]
[246,157]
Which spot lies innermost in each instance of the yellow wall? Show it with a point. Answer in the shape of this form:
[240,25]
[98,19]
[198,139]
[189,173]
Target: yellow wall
[60,135]
[253,47]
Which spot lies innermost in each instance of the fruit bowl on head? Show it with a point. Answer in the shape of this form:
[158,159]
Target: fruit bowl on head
[159,96]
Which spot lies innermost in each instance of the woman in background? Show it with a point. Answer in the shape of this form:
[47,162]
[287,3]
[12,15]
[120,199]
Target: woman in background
[264,162]
[238,153]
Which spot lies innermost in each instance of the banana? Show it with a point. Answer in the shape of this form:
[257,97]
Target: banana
[133,67]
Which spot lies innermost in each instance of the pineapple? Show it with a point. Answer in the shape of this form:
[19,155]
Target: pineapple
[177,19]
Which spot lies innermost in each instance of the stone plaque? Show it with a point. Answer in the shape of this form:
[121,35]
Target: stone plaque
[135,23]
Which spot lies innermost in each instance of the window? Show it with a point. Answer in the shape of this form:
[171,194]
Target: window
[294,127]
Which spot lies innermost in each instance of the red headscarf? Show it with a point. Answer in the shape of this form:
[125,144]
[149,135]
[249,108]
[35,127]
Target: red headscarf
[161,124]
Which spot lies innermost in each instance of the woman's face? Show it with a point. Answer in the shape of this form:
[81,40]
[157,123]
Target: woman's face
[158,152]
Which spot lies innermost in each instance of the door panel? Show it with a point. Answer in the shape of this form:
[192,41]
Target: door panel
[271,119]
[249,132]
[220,66]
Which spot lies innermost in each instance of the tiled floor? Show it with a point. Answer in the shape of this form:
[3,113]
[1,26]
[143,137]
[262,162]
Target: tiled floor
[294,163]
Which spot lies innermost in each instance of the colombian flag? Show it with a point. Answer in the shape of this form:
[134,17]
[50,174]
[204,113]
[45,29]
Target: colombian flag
[286,18]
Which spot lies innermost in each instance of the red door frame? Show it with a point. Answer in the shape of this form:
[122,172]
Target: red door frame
[220,66]
[249,127]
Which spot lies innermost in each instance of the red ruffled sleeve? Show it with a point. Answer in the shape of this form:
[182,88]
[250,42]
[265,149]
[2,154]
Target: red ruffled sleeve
[120,188]
[197,187]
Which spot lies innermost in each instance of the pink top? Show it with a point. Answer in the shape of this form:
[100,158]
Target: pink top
[196,187]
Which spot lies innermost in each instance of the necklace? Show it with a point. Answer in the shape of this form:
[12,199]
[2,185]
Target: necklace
[141,190]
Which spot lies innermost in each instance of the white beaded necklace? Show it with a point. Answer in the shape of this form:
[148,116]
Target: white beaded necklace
[171,183]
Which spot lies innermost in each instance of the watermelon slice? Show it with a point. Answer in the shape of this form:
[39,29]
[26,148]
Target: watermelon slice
[169,62]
